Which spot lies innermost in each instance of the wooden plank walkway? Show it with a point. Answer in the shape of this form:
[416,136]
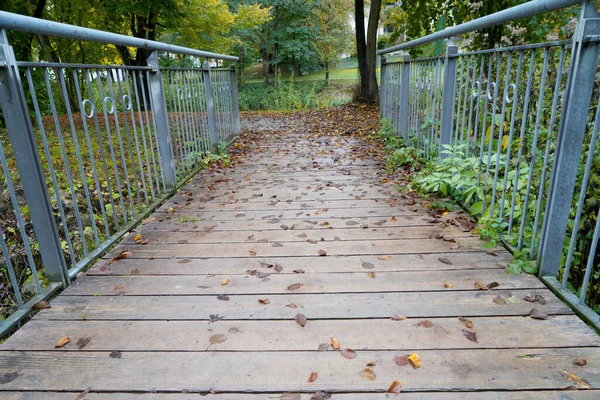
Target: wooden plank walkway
[311,225]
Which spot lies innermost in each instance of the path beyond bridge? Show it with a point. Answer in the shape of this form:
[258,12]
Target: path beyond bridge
[241,286]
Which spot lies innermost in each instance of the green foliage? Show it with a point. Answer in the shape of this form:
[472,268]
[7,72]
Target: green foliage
[287,96]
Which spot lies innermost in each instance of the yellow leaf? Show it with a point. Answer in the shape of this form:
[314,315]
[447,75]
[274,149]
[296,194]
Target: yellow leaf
[415,360]
[335,343]
[63,341]
[225,281]
[504,142]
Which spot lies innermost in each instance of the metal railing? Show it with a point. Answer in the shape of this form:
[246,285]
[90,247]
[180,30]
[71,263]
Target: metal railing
[87,151]
[518,127]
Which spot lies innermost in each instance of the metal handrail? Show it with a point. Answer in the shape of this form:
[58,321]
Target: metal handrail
[43,27]
[522,11]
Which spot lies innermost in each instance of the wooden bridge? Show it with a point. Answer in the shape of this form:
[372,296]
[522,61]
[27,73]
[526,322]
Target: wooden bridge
[302,273]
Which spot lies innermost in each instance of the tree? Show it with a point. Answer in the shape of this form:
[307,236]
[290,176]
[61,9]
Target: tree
[366,49]
[332,18]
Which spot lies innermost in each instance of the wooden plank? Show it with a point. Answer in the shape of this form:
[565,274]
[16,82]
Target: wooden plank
[271,282]
[281,235]
[314,306]
[300,249]
[381,334]
[524,395]
[464,370]
[401,262]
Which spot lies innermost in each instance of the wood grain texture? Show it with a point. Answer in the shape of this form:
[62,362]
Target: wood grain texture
[177,332]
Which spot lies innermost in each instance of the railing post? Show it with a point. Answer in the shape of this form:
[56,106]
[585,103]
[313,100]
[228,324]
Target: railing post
[383,85]
[235,100]
[158,104]
[571,133]
[449,89]
[404,93]
[210,106]
[29,166]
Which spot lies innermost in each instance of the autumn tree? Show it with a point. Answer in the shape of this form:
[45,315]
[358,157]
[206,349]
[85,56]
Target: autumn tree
[333,21]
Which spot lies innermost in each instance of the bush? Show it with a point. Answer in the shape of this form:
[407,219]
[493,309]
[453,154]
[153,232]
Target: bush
[287,96]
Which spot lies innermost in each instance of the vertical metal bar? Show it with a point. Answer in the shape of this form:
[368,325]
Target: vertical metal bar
[161,119]
[448,96]
[210,106]
[404,100]
[383,85]
[22,138]
[235,101]
[570,140]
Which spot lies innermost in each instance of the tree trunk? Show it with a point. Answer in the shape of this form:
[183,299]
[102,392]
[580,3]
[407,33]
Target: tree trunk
[276,50]
[241,65]
[326,72]
[361,45]
[265,61]
[372,93]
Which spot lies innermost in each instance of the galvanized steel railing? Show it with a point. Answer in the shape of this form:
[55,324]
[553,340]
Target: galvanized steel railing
[87,151]
[522,125]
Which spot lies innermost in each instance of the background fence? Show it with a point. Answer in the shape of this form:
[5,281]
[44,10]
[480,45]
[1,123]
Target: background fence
[518,128]
[87,151]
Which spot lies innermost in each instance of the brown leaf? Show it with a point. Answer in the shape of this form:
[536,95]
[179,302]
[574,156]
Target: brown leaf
[322,253]
[295,286]
[384,258]
[121,255]
[218,338]
[184,261]
[225,281]
[402,361]
[223,297]
[252,252]
[118,287]
[479,285]
[313,376]
[298,271]
[367,265]
[301,319]
[320,396]
[41,305]
[448,285]
[395,387]
[398,317]
[368,374]
[335,343]
[425,324]
[492,285]
[292,305]
[540,299]
[82,342]
[62,342]
[371,275]
[348,353]
[393,219]
[500,300]
[264,301]
[580,361]
[415,360]
[82,395]
[444,260]
[471,335]
[537,314]
[466,322]
[492,253]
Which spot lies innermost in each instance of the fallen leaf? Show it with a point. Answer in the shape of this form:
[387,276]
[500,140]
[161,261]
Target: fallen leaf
[466,322]
[335,343]
[82,342]
[537,314]
[580,361]
[218,338]
[313,376]
[492,285]
[82,395]
[492,253]
[252,252]
[471,335]
[41,305]
[62,342]
[500,300]
[234,330]
[368,374]
[384,258]
[170,210]
[264,301]
[348,353]
[444,260]
[292,305]
[402,361]
[322,253]
[577,380]
[118,287]
[298,271]
[448,285]
[425,324]
[225,281]
[137,237]
[320,396]
[367,265]
[223,297]
[415,360]
[295,286]
[278,268]
[479,285]
[121,255]
[301,319]
[393,219]
[398,317]
[371,275]
[115,354]
[395,387]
